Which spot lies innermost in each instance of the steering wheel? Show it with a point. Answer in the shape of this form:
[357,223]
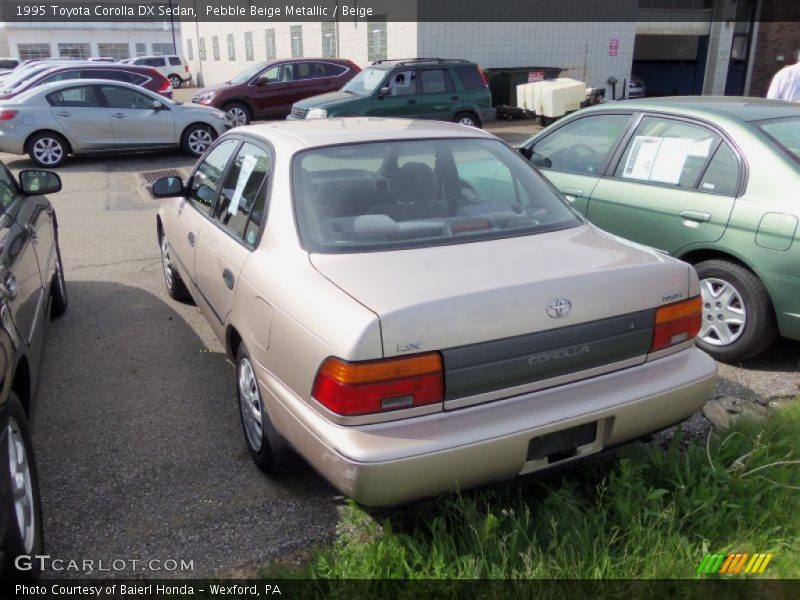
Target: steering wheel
[581,157]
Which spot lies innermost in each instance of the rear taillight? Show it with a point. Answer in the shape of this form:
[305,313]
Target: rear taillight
[359,388]
[484,77]
[677,323]
[166,86]
[186,68]
[7,115]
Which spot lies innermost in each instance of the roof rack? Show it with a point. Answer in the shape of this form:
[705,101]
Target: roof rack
[408,61]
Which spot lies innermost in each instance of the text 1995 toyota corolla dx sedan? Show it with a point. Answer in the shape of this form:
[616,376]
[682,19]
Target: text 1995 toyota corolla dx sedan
[414,310]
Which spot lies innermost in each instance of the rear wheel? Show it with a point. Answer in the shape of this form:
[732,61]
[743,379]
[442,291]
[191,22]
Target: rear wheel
[24,532]
[47,149]
[268,449]
[738,318]
[175,81]
[238,112]
[470,119]
[196,139]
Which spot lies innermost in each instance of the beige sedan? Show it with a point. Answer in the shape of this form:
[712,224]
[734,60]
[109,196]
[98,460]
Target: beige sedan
[413,309]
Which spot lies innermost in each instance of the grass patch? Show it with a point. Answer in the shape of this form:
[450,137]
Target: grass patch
[640,512]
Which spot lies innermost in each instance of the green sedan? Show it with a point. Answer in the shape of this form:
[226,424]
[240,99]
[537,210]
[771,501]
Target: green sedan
[714,181]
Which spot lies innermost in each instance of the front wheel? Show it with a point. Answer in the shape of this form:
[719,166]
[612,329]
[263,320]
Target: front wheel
[268,449]
[467,118]
[238,112]
[175,81]
[172,280]
[47,149]
[58,288]
[197,139]
[24,535]
[738,317]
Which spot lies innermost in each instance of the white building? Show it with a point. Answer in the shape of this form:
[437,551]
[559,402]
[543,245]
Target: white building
[675,50]
[24,40]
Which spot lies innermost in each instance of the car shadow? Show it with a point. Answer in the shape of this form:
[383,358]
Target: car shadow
[112,161]
[140,449]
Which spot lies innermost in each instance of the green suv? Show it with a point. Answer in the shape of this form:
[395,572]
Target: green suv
[713,181]
[418,88]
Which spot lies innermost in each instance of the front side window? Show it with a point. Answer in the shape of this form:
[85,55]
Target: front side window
[581,146]
[667,151]
[77,97]
[404,194]
[205,182]
[240,209]
[366,81]
[126,98]
[403,83]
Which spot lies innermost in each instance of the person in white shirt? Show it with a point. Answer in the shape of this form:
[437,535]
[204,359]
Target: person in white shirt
[786,83]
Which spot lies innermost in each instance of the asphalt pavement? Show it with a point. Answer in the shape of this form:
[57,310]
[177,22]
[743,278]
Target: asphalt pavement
[140,450]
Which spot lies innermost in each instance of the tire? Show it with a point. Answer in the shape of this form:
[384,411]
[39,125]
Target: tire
[238,112]
[58,288]
[20,475]
[175,81]
[47,149]
[172,280]
[196,139]
[738,317]
[468,118]
[268,449]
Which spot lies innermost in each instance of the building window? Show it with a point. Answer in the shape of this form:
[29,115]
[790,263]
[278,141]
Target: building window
[201,48]
[248,46]
[160,49]
[269,38]
[296,32]
[376,38]
[76,50]
[328,39]
[115,51]
[28,51]
[189,49]
[231,47]
[215,47]
[141,49]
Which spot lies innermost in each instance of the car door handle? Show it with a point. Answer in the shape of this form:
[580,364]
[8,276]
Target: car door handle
[572,191]
[694,215]
[34,237]
[118,115]
[411,102]
[190,237]
[227,277]
[454,97]
[64,113]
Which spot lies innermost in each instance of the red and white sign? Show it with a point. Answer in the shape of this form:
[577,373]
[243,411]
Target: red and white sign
[613,46]
[535,76]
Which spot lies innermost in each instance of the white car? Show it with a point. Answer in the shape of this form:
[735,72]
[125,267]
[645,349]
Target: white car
[173,67]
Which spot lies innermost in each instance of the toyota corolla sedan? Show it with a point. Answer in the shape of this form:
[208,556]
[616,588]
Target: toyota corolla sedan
[83,116]
[413,309]
[712,181]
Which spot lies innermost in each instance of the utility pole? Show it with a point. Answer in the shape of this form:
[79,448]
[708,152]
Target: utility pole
[172,25]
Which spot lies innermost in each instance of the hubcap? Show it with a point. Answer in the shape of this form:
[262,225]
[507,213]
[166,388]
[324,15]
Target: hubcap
[250,404]
[724,312]
[238,116]
[466,121]
[167,262]
[48,151]
[21,485]
[199,140]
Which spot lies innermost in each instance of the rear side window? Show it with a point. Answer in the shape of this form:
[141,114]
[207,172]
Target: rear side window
[470,78]
[205,182]
[77,97]
[332,70]
[154,62]
[435,81]
[242,198]
[175,60]
[722,174]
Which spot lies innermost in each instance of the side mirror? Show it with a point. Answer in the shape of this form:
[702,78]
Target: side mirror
[35,183]
[385,91]
[167,187]
[526,151]
[157,105]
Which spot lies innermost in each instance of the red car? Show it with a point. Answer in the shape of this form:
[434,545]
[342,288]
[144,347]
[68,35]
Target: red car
[268,89]
[146,77]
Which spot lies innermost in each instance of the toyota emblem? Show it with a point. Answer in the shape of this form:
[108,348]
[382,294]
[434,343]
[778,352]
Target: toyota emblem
[559,307]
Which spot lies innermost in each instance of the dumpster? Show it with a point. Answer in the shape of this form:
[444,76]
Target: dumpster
[503,82]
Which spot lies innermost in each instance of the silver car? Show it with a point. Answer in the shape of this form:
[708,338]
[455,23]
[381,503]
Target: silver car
[97,115]
[413,309]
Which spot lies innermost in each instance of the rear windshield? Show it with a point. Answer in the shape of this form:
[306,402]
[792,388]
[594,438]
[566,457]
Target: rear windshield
[408,194]
[786,132]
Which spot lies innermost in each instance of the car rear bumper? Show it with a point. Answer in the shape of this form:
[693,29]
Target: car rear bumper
[394,462]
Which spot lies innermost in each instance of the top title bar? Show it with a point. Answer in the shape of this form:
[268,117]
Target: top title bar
[729,11]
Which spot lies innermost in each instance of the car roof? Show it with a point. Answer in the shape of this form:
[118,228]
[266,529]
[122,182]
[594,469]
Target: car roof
[711,107]
[396,62]
[354,130]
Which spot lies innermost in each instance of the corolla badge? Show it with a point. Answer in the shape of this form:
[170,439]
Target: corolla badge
[559,307]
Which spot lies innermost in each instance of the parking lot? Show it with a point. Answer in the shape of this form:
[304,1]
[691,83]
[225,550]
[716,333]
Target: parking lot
[137,429]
